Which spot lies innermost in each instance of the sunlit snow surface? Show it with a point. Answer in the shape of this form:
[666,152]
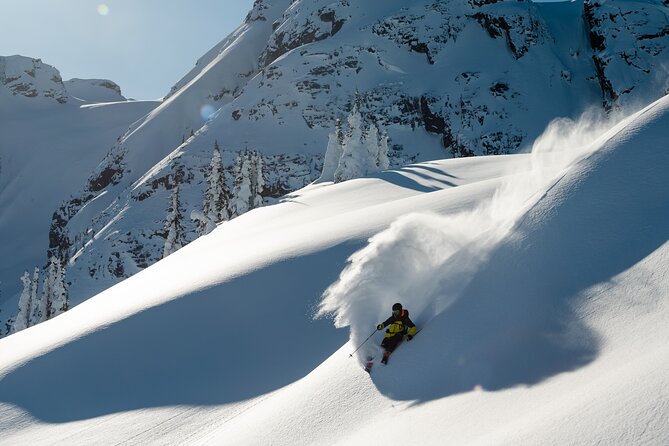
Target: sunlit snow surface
[539,281]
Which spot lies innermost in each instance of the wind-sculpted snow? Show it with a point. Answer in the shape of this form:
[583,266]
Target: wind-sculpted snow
[426,261]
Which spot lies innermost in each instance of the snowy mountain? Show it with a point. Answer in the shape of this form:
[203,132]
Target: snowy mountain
[539,281]
[52,135]
[627,37]
[24,77]
[441,79]
[94,90]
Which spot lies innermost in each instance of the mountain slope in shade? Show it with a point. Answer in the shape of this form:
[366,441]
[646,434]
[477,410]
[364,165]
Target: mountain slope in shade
[558,334]
[52,135]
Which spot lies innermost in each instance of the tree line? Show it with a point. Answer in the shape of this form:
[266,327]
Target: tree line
[219,203]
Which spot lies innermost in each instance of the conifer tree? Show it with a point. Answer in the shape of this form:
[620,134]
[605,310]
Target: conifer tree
[354,153]
[371,142]
[257,180]
[249,183]
[364,149]
[216,197]
[382,161]
[54,290]
[241,192]
[174,228]
[333,153]
[39,302]
[22,320]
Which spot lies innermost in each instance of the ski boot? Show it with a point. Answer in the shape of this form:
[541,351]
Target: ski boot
[386,355]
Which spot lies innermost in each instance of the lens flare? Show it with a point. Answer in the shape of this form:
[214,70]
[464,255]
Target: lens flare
[206,111]
[103,9]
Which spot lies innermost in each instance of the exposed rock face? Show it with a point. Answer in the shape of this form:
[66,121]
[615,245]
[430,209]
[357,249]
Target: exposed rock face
[31,78]
[94,90]
[443,78]
[302,26]
[630,40]
[134,247]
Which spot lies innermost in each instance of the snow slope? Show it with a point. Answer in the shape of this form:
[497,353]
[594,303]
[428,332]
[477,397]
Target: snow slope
[545,323]
[49,144]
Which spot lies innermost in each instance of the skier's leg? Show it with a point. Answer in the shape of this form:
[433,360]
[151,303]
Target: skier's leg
[390,344]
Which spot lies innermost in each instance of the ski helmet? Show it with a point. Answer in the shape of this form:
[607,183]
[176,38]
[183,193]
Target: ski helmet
[397,306]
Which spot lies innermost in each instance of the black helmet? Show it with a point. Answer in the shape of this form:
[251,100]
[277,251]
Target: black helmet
[397,306]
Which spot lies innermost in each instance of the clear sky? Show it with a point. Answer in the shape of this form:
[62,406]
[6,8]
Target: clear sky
[145,46]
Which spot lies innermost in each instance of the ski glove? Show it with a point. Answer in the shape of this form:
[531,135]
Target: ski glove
[380,327]
[409,337]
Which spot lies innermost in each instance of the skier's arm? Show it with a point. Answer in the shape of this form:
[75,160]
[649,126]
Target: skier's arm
[412,327]
[383,325]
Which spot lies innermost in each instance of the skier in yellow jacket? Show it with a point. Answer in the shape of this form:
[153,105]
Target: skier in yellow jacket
[398,325]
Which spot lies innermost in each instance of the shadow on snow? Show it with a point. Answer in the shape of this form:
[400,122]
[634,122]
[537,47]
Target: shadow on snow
[227,344]
[517,321]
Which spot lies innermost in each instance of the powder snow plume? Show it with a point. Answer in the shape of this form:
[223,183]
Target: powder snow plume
[425,261]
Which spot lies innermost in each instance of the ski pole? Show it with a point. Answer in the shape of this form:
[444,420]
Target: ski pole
[363,343]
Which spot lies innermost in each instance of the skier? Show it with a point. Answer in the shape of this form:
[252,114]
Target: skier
[398,325]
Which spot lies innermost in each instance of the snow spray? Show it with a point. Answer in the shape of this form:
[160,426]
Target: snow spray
[425,261]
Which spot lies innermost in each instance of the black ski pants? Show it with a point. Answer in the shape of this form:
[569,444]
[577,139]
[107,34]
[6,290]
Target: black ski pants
[391,343]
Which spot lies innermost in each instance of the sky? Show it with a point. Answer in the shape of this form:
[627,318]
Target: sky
[145,46]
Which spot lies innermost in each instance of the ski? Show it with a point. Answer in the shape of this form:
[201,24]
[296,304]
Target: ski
[369,364]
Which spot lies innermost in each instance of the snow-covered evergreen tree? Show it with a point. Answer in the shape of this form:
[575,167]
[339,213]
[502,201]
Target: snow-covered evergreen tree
[22,320]
[216,197]
[54,291]
[382,161]
[39,310]
[257,180]
[174,227]
[332,153]
[353,161]
[371,142]
[249,183]
[364,149]
[241,192]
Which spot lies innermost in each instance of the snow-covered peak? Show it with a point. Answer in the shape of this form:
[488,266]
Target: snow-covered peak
[223,70]
[94,90]
[31,78]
